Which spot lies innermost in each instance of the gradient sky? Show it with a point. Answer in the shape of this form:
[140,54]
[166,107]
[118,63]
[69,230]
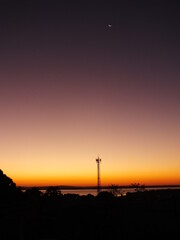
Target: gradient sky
[73,88]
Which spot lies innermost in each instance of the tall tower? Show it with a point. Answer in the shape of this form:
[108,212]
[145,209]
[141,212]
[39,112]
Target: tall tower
[98,160]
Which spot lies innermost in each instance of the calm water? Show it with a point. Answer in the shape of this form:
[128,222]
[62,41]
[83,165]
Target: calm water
[82,192]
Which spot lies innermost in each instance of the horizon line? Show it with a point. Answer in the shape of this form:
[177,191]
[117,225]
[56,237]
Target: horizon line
[68,187]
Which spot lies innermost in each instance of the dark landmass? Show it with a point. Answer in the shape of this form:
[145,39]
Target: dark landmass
[153,214]
[66,187]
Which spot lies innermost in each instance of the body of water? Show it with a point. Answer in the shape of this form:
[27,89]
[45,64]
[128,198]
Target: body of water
[93,192]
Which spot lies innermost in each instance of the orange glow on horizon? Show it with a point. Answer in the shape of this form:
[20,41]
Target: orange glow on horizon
[107,180]
[39,172]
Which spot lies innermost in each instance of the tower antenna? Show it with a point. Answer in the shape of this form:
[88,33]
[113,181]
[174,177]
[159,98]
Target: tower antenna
[98,160]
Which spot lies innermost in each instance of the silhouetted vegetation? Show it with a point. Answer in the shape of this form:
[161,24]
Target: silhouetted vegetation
[53,192]
[138,187]
[139,215]
[116,190]
[8,190]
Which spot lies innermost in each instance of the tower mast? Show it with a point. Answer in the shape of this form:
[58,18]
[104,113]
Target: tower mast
[98,160]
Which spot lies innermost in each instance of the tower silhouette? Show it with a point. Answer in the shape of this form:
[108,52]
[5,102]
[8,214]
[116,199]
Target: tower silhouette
[98,160]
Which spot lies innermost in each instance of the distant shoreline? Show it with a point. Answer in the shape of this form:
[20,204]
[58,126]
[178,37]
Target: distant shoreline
[95,187]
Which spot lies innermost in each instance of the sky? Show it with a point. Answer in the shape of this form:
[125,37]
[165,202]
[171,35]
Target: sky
[82,79]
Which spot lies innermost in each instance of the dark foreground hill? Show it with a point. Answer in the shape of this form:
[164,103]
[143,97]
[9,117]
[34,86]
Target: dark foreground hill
[140,215]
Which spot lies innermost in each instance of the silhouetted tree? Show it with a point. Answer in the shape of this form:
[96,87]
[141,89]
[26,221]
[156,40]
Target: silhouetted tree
[8,189]
[6,183]
[116,190]
[104,195]
[138,187]
[53,192]
[33,192]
